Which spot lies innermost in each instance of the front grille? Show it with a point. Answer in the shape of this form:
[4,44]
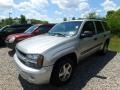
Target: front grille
[23,59]
[21,56]
[21,53]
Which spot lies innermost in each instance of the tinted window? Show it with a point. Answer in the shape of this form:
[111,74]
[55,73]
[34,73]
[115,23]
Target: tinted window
[45,29]
[15,28]
[20,25]
[89,26]
[106,26]
[99,27]
[10,30]
[22,28]
[3,28]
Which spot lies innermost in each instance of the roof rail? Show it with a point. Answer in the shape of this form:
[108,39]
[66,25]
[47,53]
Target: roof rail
[91,18]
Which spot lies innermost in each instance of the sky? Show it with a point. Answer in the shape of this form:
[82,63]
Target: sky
[55,10]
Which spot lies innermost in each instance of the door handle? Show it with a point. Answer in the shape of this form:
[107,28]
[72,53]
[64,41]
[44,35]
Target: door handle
[95,39]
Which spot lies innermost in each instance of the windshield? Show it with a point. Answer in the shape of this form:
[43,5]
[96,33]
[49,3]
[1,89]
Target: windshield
[31,29]
[66,28]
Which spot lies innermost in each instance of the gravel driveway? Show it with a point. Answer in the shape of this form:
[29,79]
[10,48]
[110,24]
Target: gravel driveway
[95,73]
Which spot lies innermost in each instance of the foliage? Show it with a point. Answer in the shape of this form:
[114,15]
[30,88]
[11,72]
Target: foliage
[64,19]
[23,19]
[91,15]
[6,21]
[73,18]
[113,20]
[110,12]
[34,21]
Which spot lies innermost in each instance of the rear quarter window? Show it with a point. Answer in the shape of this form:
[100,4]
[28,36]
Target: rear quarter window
[106,26]
[99,27]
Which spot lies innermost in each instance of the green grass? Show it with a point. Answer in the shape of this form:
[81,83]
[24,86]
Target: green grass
[115,44]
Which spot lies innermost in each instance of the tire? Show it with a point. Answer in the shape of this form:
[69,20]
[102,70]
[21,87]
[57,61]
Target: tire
[105,48]
[62,71]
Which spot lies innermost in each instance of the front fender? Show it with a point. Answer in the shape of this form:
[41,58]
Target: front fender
[57,54]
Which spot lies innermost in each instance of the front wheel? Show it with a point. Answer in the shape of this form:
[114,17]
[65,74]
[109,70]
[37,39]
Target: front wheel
[62,71]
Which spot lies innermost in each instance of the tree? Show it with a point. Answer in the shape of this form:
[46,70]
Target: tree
[113,20]
[34,21]
[79,18]
[73,18]
[8,21]
[23,19]
[91,15]
[11,21]
[2,23]
[64,19]
[43,22]
[110,12]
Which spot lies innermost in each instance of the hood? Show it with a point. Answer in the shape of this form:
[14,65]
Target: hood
[40,44]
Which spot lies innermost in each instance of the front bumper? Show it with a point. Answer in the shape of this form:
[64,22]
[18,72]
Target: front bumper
[41,76]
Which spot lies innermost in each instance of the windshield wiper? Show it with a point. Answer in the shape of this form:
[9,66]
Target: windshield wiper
[60,34]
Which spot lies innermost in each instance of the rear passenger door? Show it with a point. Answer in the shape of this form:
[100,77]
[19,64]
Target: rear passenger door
[87,44]
[100,33]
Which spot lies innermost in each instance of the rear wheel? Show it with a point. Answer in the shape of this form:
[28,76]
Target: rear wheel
[105,48]
[62,71]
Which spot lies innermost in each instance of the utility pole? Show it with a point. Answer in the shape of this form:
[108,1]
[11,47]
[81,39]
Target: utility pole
[10,18]
[10,14]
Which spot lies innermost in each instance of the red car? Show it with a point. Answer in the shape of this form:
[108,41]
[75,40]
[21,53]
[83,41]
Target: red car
[34,30]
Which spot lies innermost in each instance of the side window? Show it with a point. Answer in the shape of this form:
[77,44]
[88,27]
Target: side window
[88,26]
[10,30]
[19,29]
[44,29]
[99,27]
[106,26]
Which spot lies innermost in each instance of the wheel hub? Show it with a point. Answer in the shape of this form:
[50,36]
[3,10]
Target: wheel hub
[65,72]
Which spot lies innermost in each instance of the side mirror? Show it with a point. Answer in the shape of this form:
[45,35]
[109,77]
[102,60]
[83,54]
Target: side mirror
[86,34]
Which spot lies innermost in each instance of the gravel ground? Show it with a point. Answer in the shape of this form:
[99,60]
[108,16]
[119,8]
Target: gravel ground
[95,73]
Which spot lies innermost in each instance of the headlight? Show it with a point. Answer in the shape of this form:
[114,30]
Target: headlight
[32,56]
[12,39]
[35,60]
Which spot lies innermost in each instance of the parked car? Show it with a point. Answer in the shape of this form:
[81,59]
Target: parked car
[11,29]
[52,57]
[34,30]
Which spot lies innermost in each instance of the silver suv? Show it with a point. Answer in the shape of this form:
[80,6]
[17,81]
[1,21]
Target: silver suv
[52,57]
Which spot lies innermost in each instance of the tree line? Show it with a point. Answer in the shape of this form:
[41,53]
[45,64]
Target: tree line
[21,20]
